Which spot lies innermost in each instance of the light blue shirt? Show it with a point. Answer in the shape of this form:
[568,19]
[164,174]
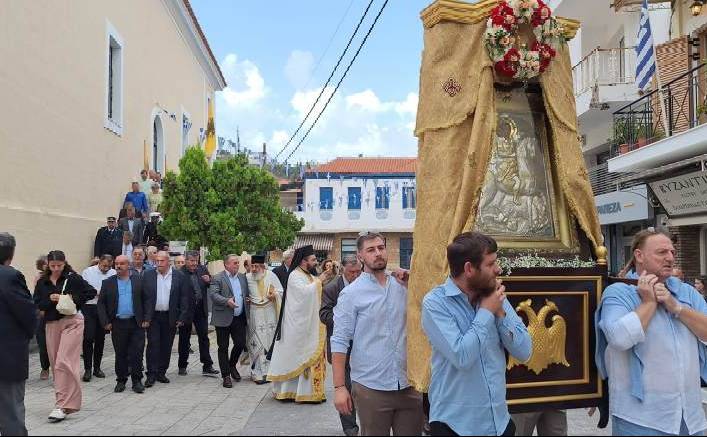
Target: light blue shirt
[654,374]
[125,299]
[237,293]
[373,317]
[468,386]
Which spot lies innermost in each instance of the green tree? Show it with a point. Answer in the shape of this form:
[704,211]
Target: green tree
[228,208]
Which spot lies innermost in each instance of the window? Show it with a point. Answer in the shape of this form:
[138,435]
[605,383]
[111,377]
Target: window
[186,127]
[114,81]
[405,252]
[383,198]
[409,198]
[354,197]
[348,247]
[326,198]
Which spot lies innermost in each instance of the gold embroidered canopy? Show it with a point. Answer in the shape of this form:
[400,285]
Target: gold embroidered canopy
[456,127]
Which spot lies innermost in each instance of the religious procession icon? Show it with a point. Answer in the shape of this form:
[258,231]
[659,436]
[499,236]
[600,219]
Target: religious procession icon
[499,153]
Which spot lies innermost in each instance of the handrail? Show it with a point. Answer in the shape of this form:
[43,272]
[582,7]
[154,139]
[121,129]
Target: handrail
[665,86]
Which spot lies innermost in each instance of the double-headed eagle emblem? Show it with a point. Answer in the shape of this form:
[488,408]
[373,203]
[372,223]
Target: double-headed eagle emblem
[548,343]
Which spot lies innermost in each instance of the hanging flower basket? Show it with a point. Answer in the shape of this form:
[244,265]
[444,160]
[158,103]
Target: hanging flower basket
[502,42]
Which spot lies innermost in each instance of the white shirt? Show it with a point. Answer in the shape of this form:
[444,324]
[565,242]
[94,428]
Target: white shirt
[94,276]
[671,375]
[131,223]
[164,286]
[127,250]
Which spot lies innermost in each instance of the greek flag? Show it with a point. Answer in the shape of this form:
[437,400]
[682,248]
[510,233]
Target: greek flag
[645,68]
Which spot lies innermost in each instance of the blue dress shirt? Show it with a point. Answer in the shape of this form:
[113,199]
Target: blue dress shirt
[468,386]
[139,201]
[374,318]
[125,299]
[655,374]
[237,293]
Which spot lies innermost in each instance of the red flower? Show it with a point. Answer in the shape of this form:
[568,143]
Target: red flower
[512,56]
[544,64]
[498,20]
[545,50]
[507,69]
[541,14]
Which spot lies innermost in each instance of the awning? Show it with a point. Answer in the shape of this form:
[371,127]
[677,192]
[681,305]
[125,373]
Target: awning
[320,242]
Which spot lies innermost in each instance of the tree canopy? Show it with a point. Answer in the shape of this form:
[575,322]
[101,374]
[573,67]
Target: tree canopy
[229,208]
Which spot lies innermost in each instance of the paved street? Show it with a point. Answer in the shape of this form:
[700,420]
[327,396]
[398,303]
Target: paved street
[195,405]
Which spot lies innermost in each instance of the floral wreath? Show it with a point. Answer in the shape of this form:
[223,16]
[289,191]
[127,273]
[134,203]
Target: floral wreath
[502,34]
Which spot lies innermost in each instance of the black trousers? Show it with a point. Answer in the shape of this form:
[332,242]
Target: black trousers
[237,333]
[442,429]
[201,324]
[42,343]
[94,338]
[12,408]
[129,344]
[160,339]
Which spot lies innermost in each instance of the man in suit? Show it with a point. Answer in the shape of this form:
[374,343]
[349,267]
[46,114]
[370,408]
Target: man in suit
[229,294]
[283,270]
[167,290]
[134,225]
[199,280]
[18,322]
[121,310]
[108,240]
[330,296]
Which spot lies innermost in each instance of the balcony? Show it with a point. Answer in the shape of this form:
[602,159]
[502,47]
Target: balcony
[605,80]
[645,138]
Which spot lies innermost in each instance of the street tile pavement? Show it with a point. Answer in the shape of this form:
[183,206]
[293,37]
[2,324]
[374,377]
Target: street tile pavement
[198,405]
[189,405]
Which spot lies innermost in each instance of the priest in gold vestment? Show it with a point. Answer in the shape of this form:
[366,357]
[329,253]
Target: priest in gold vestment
[298,367]
[265,299]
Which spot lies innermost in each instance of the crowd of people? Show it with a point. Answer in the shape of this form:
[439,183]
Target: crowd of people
[651,334]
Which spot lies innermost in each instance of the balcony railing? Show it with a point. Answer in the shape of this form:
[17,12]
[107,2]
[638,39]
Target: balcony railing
[604,67]
[641,122]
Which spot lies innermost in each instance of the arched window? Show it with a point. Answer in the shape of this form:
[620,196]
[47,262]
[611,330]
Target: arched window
[158,153]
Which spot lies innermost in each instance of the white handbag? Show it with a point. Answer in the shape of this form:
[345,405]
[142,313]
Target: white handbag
[66,305]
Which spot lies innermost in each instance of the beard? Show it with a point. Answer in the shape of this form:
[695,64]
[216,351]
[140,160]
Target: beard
[259,276]
[379,264]
[482,286]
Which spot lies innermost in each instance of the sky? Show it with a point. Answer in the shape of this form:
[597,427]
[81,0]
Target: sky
[276,57]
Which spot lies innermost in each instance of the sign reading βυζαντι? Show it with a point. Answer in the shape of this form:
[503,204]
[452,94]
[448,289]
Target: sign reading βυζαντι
[623,206]
[683,195]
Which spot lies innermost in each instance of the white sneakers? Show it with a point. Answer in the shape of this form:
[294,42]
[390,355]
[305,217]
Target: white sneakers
[57,415]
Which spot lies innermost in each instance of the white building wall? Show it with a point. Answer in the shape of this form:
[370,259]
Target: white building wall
[340,219]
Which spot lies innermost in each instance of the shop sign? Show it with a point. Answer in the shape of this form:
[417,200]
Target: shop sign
[623,206]
[683,195]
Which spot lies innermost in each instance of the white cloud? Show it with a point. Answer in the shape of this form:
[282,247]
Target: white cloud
[246,85]
[298,69]
[365,100]
[355,122]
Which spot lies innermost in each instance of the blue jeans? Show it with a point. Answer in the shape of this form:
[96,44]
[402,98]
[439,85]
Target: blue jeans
[623,427]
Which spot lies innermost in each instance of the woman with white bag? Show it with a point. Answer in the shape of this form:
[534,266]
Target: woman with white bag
[61,293]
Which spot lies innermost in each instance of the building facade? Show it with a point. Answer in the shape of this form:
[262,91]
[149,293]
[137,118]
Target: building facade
[645,151]
[94,91]
[350,195]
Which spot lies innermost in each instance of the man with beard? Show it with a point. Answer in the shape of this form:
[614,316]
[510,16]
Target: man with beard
[265,301]
[372,313]
[469,323]
[298,365]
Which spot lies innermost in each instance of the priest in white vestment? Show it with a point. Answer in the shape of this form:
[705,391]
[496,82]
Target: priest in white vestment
[265,300]
[298,365]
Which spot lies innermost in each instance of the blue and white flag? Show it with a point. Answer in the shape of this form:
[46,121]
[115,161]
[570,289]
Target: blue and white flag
[646,62]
